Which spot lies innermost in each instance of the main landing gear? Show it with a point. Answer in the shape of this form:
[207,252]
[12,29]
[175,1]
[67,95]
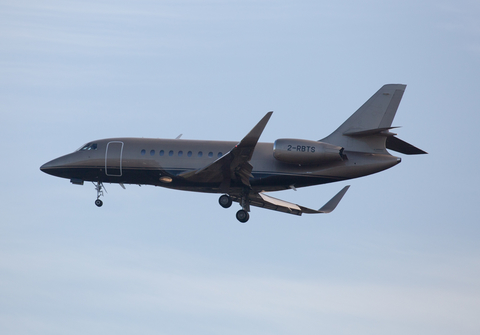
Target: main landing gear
[242,215]
[99,188]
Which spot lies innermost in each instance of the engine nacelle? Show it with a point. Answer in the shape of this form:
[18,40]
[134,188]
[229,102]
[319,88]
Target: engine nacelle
[305,152]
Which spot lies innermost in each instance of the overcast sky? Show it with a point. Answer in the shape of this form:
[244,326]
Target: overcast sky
[399,255]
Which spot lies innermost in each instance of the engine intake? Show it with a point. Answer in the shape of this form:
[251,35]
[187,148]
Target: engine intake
[305,152]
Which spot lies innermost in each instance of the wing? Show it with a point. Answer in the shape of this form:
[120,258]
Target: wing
[265,201]
[234,165]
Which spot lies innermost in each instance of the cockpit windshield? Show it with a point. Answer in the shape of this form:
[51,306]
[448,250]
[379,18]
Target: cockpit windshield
[88,146]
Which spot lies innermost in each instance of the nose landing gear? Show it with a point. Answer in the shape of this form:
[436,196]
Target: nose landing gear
[99,188]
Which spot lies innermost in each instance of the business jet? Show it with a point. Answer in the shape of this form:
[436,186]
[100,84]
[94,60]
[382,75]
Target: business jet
[244,171]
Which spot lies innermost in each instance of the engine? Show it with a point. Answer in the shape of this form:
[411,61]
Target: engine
[305,152]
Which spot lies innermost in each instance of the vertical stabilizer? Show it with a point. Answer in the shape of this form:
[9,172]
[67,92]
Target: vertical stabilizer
[367,129]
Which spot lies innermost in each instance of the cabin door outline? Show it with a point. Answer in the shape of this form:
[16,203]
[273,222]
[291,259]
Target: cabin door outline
[113,159]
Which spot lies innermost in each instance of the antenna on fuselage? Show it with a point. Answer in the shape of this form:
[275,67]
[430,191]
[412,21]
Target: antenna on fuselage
[178,137]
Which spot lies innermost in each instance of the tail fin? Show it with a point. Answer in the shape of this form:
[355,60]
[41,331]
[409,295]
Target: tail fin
[368,128]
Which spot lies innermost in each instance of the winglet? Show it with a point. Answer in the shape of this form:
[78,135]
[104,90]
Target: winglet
[332,204]
[252,137]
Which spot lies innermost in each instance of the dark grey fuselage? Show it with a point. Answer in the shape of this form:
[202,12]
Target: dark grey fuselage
[146,161]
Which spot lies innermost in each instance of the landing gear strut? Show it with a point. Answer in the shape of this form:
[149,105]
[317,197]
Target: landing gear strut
[99,188]
[242,215]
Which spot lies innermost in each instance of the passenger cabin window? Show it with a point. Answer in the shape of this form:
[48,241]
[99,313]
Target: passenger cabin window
[161,152]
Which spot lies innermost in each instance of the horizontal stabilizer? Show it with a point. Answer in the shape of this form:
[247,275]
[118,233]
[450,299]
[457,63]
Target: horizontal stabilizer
[396,144]
[369,132]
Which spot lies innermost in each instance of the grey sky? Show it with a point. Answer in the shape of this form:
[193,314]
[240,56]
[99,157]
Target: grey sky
[399,255]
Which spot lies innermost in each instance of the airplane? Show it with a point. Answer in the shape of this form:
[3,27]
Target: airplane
[244,171]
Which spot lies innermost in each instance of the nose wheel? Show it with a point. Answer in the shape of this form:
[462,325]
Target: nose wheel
[99,203]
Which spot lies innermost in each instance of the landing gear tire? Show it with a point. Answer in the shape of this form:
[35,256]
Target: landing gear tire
[225,201]
[242,216]
[99,203]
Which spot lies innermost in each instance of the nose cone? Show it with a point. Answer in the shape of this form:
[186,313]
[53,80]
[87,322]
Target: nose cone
[50,167]
[56,166]
[46,167]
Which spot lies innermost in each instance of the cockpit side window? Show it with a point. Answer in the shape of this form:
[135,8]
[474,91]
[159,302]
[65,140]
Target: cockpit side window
[89,146]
